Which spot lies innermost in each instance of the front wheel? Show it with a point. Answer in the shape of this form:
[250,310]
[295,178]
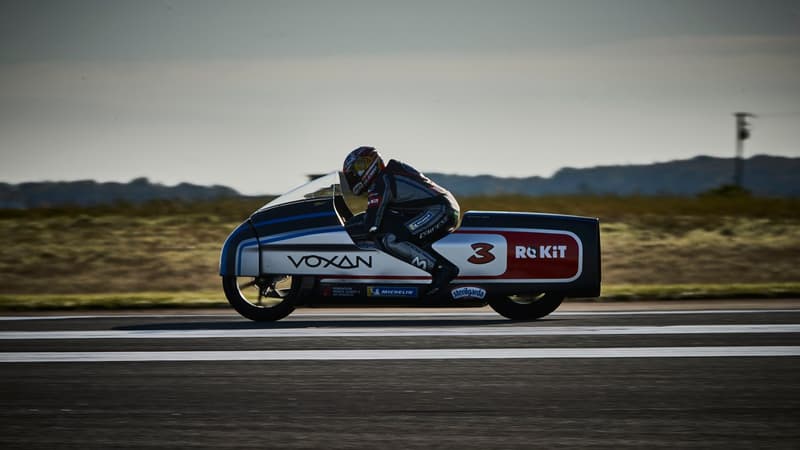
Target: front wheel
[526,307]
[262,299]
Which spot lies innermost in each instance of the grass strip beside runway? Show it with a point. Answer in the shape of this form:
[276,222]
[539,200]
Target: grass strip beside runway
[112,301]
[166,247]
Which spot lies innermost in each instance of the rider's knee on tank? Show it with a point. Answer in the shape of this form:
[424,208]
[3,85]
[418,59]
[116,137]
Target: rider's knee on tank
[409,252]
[441,269]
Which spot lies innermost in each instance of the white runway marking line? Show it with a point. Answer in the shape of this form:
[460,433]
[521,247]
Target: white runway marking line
[304,315]
[419,354]
[401,331]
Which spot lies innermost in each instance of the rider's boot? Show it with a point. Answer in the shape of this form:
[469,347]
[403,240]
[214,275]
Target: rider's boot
[442,275]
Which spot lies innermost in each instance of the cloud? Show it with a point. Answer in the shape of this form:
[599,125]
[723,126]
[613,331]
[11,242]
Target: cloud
[537,110]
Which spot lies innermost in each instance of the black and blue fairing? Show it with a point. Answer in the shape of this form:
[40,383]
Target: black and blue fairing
[308,209]
[318,207]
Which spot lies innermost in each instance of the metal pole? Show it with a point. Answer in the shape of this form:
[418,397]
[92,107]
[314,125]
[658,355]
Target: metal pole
[737,163]
[742,133]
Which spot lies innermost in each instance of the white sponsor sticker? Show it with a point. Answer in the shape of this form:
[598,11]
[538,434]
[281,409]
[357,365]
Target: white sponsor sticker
[468,292]
[475,254]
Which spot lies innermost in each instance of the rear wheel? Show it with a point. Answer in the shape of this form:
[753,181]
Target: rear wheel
[526,307]
[262,299]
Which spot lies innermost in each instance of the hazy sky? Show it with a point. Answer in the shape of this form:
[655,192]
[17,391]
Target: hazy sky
[256,94]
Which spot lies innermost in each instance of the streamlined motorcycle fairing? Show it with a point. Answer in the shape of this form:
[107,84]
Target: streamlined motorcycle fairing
[511,260]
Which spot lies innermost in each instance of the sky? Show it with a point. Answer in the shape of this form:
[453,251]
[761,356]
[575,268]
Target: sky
[255,95]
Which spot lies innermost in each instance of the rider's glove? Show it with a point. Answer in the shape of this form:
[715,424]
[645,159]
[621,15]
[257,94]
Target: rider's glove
[372,233]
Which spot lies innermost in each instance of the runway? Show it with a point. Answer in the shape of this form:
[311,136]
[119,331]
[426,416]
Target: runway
[711,378]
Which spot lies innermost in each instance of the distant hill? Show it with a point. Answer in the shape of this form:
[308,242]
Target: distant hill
[91,193]
[762,175]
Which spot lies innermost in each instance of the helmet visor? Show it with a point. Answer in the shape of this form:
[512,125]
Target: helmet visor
[353,182]
[360,165]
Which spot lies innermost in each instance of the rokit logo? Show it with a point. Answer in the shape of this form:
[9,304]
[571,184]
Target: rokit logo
[336,261]
[540,252]
[546,255]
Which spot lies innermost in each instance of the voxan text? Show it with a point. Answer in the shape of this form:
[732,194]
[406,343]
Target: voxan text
[337,261]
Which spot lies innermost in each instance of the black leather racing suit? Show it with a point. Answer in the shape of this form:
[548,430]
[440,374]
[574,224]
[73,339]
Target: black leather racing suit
[407,212]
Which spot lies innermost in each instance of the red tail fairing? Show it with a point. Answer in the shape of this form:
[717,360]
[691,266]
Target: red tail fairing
[540,255]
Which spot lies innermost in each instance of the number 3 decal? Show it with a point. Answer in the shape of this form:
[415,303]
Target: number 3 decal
[482,253]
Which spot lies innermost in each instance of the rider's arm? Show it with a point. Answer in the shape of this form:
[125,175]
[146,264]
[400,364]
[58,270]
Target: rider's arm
[377,201]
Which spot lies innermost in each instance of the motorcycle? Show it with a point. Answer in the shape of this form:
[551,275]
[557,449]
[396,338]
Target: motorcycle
[305,248]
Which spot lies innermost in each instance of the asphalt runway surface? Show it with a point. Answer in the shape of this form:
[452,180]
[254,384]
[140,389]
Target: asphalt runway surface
[708,376]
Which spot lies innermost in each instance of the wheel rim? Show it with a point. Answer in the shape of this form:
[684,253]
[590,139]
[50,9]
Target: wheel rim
[527,299]
[264,292]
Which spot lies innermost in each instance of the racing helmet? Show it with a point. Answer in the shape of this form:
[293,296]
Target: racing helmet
[361,168]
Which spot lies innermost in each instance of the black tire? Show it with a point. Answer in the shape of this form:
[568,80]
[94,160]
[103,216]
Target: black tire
[528,307]
[263,299]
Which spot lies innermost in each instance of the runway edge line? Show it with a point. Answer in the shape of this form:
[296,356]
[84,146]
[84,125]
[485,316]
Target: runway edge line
[405,354]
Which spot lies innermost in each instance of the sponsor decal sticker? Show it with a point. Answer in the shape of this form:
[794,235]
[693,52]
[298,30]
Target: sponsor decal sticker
[476,254]
[482,253]
[420,222]
[340,291]
[468,292]
[422,264]
[374,200]
[547,255]
[389,291]
[336,261]
[540,251]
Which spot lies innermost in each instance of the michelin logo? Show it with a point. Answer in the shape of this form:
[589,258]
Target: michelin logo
[379,291]
[468,292]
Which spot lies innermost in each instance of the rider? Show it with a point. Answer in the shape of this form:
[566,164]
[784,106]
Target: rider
[406,211]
